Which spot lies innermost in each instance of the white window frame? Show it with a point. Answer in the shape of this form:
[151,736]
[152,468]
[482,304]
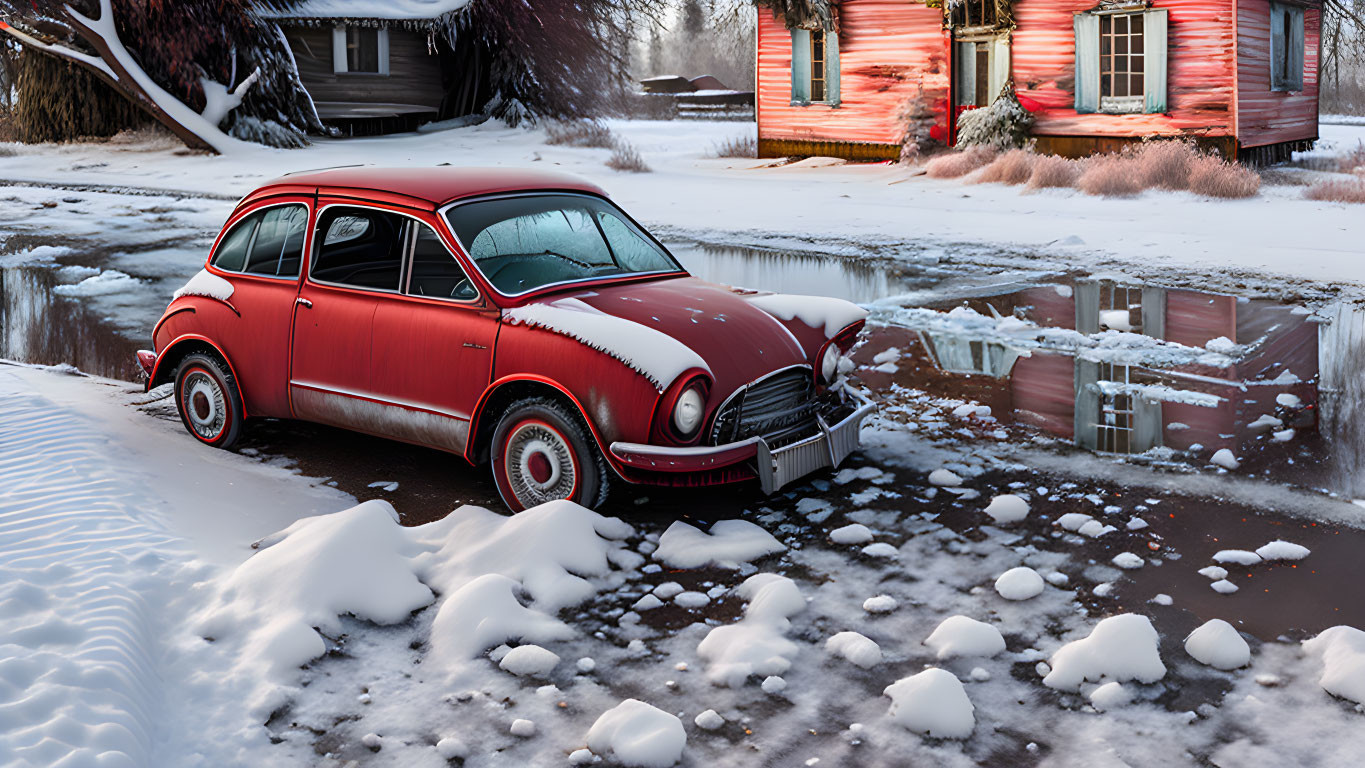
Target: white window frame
[339,64]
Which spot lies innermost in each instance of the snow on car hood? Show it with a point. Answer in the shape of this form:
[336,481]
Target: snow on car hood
[833,315]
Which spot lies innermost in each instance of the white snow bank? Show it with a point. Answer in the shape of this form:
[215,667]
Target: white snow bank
[729,543]
[1119,648]
[964,636]
[944,478]
[830,314]
[1217,644]
[1225,459]
[1020,583]
[1236,556]
[649,352]
[855,647]
[1282,550]
[1341,650]
[855,533]
[205,283]
[932,702]
[1007,508]
[103,284]
[529,660]
[638,735]
[755,645]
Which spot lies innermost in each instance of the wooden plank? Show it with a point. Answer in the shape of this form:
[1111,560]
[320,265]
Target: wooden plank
[414,73]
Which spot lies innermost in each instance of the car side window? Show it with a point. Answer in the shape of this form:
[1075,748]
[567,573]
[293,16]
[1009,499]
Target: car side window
[633,251]
[360,247]
[277,249]
[231,253]
[435,272]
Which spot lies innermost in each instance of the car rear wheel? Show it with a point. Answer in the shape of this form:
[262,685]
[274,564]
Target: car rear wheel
[206,396]
[542,452]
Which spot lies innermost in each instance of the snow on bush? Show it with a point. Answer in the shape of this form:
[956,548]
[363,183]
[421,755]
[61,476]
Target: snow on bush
[1215,177]
[957,164]
[529,660]
[1165,164]
[1341,650]
[727,544]
[1119,648]
[932,702]
[638,735]
[964,636]
[856,648]
[1337,191]
[1013,167]
[854,533]
[1020,583]
[756,644]
[1007,508]
[205,283]
[1218,644]
[1051,172]
[1002,125]
[1110,176]
[1225,459]
[1282,550]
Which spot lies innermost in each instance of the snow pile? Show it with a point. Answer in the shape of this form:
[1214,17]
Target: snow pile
[833,315]
[944,478]
[1007,508]
[1282,550]
[1341,650]
[1127,560]
[1217,644]
[1119,648]
[1236,557]
[1020,583]
[205,283]
[855,533]
[709,720]
[653,354]
[1223,587]
[529,660]
[638,735]
[756,644]
[1225,459]
[729,543]
[1110,696]
[932,702]
[880,604]
[963,636]
[856,648]
[103,284]
[1159,393]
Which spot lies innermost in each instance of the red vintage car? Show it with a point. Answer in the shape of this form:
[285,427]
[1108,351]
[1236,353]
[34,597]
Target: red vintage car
[510,317]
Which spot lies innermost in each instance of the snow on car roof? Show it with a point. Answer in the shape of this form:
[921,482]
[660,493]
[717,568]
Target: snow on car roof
[437,185]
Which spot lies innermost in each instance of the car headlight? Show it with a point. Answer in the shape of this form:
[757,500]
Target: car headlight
[687,412]
[829,363]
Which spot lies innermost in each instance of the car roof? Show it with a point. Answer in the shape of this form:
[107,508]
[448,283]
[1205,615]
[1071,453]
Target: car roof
[436,185]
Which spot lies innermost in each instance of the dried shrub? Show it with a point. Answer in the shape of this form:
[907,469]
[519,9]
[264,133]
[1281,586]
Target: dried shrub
[957,164]
[627,158]
[1214,177]
[580,133]
[1338,191]
[1110,176]
[1051,171]
[1352,161]
[1165,164]
[738,146]
[917,119]
[1013,167]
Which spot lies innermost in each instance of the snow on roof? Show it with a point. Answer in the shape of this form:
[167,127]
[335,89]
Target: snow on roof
[398,10]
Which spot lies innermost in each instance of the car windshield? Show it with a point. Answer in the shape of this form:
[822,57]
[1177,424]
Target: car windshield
[528,242]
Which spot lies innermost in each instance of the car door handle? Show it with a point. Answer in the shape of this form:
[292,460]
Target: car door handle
[304,302]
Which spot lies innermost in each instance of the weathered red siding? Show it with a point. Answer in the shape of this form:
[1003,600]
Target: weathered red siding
[889,50]
[1265,116]
[1199,88]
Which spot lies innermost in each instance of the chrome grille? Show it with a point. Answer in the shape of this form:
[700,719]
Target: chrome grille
[779,406]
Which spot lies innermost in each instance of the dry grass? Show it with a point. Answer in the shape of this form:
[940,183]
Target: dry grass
[627,158]
[957,164]
[1110,176]
[737,146]
[1214,177]
[1164,164]
[580,133]
[1337,191]
[1352,161]
[1051,172]
[1013,167]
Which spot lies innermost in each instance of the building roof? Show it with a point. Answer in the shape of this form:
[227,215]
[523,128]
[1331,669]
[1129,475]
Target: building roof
[396,10]
[435,185]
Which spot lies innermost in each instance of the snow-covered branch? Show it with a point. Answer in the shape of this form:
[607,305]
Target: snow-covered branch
[219,101]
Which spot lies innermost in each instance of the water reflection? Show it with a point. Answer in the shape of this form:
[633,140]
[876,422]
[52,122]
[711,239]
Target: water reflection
[796,273]
[37,326]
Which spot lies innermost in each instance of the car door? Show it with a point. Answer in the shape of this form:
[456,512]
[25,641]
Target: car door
[357,259]
[432,347]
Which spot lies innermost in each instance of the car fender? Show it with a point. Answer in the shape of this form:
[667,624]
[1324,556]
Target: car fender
[194,337]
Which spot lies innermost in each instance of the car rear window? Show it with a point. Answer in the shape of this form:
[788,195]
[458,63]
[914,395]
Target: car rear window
[359,247]
[268,242]
[527,242]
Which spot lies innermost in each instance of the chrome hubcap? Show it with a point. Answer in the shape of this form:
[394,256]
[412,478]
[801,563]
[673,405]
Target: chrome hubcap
[539,465]
[204,404]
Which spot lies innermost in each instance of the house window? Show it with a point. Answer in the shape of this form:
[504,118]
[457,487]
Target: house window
[1286,47]
[360,50]
[1115,425]
[974,13]
[1121,62]
[815,67]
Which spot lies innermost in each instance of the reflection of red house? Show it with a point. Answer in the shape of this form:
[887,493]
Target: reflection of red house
[1236,75]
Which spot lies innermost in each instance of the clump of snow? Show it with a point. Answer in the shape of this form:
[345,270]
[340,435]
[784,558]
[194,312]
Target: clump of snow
[880,604]
[691,599]
[729,543]
[1282,550]
[529,660]
[523,728]
[944,478]
[1214,572]
[756,644]
[932,702]
[1163,599]
[964,636]
[1236,556]
[709,720]
[1225,459]
[668,589]
[1072,521]
[1222,345]
[1127,560]
[773,685]
[638,735]
[1007,508]
[205,283]
[830,314]
[1119,648]
[1283,436]
[856,648]
[1020,583]
[647,603]
[855,533]
[452,748]
[586,664]
[1095,529]
[880,549]
[1218,644]
[1223,587]
[1111,695]
[103,284]
[1341,650]
[1265,421]
[1136,524]
[1287,400]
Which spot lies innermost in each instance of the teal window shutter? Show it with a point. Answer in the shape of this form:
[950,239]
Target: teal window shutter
[1087,62]
[1154,59]
[800,66]
[1294,77]
[832,68]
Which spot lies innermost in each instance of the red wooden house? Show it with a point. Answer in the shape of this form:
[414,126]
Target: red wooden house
[1239,76]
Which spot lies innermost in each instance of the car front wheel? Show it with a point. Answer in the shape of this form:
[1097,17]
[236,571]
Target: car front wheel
[542,452]
[206,397]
